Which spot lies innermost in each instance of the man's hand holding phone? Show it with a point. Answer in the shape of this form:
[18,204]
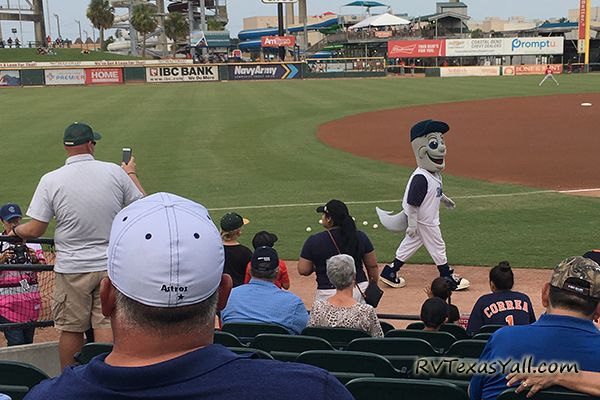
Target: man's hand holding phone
[128,161]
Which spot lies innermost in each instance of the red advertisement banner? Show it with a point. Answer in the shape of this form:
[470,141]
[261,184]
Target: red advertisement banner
[278,41]
[537,69]
[96,76]
[416,48]
[582,18]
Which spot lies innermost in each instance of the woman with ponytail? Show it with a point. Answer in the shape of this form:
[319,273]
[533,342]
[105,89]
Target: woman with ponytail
[503,306]
[339,237]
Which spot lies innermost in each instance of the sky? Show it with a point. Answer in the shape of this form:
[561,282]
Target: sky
[69,10]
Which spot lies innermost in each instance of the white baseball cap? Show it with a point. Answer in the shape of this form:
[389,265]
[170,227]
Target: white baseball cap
[165,251]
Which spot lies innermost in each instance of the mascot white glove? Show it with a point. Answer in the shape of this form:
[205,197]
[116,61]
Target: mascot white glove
[448,202]
[411,213]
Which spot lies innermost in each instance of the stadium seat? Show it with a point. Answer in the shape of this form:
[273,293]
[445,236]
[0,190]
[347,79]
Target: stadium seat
[419,326]
[14,392]
[445,368]
[16,373]
[470,348]
[490,328]
[338,337]
[226,339]
[386,326]
[552,393]
[441,341]
[456,330]
[403,389]
[393,346]
[288,347]
[247,350]
[348,365]
[482,336]
[245,332]
[91,350]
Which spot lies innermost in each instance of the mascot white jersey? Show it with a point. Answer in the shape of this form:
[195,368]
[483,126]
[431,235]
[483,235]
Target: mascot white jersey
[420,217]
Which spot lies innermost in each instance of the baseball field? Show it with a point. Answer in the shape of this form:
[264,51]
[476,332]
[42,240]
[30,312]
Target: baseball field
[274,150]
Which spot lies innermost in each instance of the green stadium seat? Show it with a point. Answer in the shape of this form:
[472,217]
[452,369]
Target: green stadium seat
[245,332]
[91,350]
[14,392]
[444,368]
[391,346]
[404,389]
[482,336]
[288,347]
[440,341]
[226,339]
[14,373]
[247,350]
[456,330]
[552,393]
[419,326]
[386,326]
[470,348]
[490,328]
[338,337]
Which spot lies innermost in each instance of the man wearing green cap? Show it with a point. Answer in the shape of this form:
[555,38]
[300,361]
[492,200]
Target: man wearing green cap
[83,196]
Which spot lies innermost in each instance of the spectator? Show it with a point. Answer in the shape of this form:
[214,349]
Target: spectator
[237,256]
[20,299]
[441,289]
[503,306]
[260,301]
[341,309]
[84,196]
[264,238]
[434,312]
[166,281]
[564,334]
[582,381]
[9,42]
[340,236]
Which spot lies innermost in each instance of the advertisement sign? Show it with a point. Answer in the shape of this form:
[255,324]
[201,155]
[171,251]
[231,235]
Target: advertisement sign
[537,69]
[474,47]
[264,71]
[504,46]
[65,76]
[278,1]
[383,34]
[192,73]
[278,41]
[416,48]
[535,46]
[10,78]
[103,63]
[582,18]
[469,71]
[97,76]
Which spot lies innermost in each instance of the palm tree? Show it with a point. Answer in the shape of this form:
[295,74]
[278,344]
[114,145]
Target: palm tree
[144,21]
[176,28]
[101,14]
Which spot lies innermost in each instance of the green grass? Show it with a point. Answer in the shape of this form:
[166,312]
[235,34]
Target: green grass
[230,145]
[28,55]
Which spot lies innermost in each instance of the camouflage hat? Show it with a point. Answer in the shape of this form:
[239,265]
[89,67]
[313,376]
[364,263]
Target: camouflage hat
[579,275]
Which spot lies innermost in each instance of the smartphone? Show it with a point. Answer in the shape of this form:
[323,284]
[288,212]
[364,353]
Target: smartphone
[126,155]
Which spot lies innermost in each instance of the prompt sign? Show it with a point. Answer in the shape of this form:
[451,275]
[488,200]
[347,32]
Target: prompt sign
[278,1]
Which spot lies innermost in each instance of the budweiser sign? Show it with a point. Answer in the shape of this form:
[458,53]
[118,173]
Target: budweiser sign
[278,41]
[416,48]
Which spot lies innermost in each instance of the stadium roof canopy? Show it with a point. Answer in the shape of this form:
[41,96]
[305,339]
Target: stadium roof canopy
[380,20]
[369,4]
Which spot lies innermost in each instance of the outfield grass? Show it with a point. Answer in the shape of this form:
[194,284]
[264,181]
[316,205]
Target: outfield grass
[28,55]
[231,145]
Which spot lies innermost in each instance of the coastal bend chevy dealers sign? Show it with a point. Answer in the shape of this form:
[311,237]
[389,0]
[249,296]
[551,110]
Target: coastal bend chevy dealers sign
[192,73]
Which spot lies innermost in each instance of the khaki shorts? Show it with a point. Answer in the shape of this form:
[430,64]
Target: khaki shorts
[76,302]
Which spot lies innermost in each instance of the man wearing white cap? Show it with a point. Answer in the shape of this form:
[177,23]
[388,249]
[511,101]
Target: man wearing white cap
[164,286]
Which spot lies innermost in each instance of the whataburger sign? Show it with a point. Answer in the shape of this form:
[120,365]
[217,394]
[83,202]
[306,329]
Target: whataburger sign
[475,47]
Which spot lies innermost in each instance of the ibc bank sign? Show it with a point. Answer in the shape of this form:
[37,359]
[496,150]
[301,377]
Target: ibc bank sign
[196,73]
[96,76]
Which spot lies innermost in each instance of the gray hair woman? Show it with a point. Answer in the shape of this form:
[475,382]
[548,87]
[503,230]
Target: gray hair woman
[341,309]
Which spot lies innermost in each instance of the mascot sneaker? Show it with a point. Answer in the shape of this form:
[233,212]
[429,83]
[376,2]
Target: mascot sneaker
[456,282]
[390,278]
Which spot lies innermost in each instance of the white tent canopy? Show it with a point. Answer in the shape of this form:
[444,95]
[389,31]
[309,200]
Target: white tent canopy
[380,20]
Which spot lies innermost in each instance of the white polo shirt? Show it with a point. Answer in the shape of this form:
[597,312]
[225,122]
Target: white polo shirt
[84,196]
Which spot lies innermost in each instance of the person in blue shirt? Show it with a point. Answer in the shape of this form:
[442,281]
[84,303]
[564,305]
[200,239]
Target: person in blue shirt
[261,300]
[165,283]
[564,337]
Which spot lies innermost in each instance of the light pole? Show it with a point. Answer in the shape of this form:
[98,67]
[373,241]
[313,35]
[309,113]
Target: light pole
[58,24]
[20,22]
[47,12]
[80,38]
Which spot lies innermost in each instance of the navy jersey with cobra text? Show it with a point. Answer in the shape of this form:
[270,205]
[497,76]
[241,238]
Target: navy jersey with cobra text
[501,308]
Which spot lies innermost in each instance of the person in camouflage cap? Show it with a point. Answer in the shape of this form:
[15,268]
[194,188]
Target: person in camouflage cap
[578,275]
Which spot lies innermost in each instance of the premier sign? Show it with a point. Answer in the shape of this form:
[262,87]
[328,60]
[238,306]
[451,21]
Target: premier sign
[278,41]
[199,73]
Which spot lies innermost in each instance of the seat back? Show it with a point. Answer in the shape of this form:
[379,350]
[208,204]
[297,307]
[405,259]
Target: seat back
[91,350]
[386,326]
[490,328]
[349,362]
[419,326]
[441,341]
[457,331]
[552,393]
[226,339]
[288,347]
[482,336]
[446,368]
[393,346]
[246,331]
[403,389]
[15,373]
[14,392]
[469,348]
[247,350]
[339,338]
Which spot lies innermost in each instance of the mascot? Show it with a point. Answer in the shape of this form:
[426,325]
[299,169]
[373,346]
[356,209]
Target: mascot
[420,217]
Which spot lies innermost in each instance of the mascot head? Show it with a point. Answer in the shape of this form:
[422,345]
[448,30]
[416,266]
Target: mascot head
[428,144]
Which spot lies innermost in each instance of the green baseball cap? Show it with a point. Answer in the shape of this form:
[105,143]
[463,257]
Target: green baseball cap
[579,275]
[79,133]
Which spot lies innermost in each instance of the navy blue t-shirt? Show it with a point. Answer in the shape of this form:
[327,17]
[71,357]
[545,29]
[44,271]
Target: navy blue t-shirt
[501,308]
[212,372]
[319,248]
